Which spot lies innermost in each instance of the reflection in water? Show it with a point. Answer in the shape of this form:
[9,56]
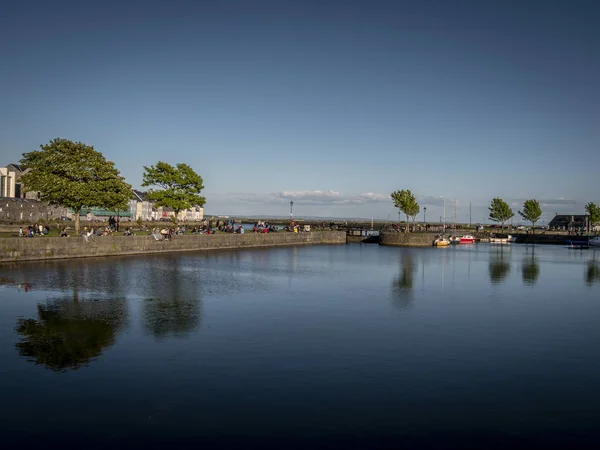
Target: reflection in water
[402,285]
[499,268]
[592,273]
[173,310]
[67,335]
[530,269]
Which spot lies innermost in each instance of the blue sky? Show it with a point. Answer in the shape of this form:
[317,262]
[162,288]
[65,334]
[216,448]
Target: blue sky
[330,104]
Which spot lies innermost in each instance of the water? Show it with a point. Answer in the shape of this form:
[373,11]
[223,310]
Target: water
[325,347]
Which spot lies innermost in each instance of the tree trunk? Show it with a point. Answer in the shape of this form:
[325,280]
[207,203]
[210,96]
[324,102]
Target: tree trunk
[533,227]
[407,224]
[77,211]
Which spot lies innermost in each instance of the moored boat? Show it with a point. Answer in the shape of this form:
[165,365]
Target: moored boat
[467,239]
[502,239]
[578,245]
[454,239]
[441,242]
[594,241]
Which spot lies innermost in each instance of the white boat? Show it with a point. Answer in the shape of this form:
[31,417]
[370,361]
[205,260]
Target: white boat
[502,239]
[595,241]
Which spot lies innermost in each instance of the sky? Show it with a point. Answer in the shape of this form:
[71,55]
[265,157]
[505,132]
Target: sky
[330,104]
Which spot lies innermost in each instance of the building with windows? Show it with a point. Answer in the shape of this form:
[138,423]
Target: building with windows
[140,207]
[8,180]
[566,221]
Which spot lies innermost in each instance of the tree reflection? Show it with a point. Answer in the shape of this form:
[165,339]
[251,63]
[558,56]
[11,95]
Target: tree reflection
[174,308]
[402,285]
[592,273]
[499,268]
[68,335]
[530,270]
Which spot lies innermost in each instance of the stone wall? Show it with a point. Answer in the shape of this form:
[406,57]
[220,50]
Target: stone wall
[42,248]
[407,239]
[20,210]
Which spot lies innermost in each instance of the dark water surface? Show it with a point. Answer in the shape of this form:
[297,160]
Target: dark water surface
[327,346]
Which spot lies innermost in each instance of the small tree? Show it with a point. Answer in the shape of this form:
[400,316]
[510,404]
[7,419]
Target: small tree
[531,212]
[405,201]
[74,175]
[593,211]
[181,186]
[500,211]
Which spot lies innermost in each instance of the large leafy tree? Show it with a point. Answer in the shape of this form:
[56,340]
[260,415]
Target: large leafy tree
[180,186]
[531,212]
[500,211]
[593,211]
[405,201]
[74,175]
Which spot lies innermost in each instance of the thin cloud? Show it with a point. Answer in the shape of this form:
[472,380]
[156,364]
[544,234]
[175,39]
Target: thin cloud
[314,197]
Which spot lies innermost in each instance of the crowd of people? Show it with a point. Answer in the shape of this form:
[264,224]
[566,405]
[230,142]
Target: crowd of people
[206,226]
[34,230]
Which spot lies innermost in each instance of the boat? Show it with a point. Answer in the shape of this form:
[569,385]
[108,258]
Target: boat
[454,239]
[502,239]
[441,242]
[578,245]
[467,239]
[594,241]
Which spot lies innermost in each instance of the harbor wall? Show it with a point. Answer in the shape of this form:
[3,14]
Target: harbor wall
[407,239]
[47,248]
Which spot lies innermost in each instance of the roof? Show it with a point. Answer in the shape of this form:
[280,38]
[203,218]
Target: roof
[99,212]
[140,195]
[567,219]
[17,167]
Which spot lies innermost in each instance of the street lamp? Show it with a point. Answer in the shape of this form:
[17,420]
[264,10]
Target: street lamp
[291,210]
[425,215]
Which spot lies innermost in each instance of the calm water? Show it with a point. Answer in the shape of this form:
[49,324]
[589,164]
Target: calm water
[334,346]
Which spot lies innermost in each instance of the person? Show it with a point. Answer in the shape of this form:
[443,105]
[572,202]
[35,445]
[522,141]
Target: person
[63,232]
[20,231]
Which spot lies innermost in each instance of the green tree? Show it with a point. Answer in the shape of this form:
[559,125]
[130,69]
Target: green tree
[500,211]
[74,175]
[181,186]
[531,212]
[405,201]
[593,211]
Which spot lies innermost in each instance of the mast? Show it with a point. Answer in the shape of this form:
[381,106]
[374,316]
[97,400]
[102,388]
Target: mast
[444,226]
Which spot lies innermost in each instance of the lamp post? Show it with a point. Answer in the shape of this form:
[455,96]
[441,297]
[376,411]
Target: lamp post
[291,210]
[425,215]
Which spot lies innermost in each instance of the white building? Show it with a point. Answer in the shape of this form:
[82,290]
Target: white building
[8,180]
[140,207]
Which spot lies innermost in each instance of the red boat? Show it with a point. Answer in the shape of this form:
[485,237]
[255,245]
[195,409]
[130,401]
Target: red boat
[467,239]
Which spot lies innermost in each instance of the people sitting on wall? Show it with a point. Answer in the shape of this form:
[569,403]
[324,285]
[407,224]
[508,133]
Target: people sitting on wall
[128,232]
[63,232]
[239,230]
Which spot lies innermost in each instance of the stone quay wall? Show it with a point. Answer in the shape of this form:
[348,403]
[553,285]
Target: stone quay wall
[46,248]
[407,239]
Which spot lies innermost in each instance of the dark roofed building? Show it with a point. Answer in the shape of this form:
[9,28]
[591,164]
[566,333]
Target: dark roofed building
[568,221]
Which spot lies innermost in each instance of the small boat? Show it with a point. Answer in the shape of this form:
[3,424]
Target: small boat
[578,245]
[594,241]
[467,239]
[441,242]
[502,239]
[454,239]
